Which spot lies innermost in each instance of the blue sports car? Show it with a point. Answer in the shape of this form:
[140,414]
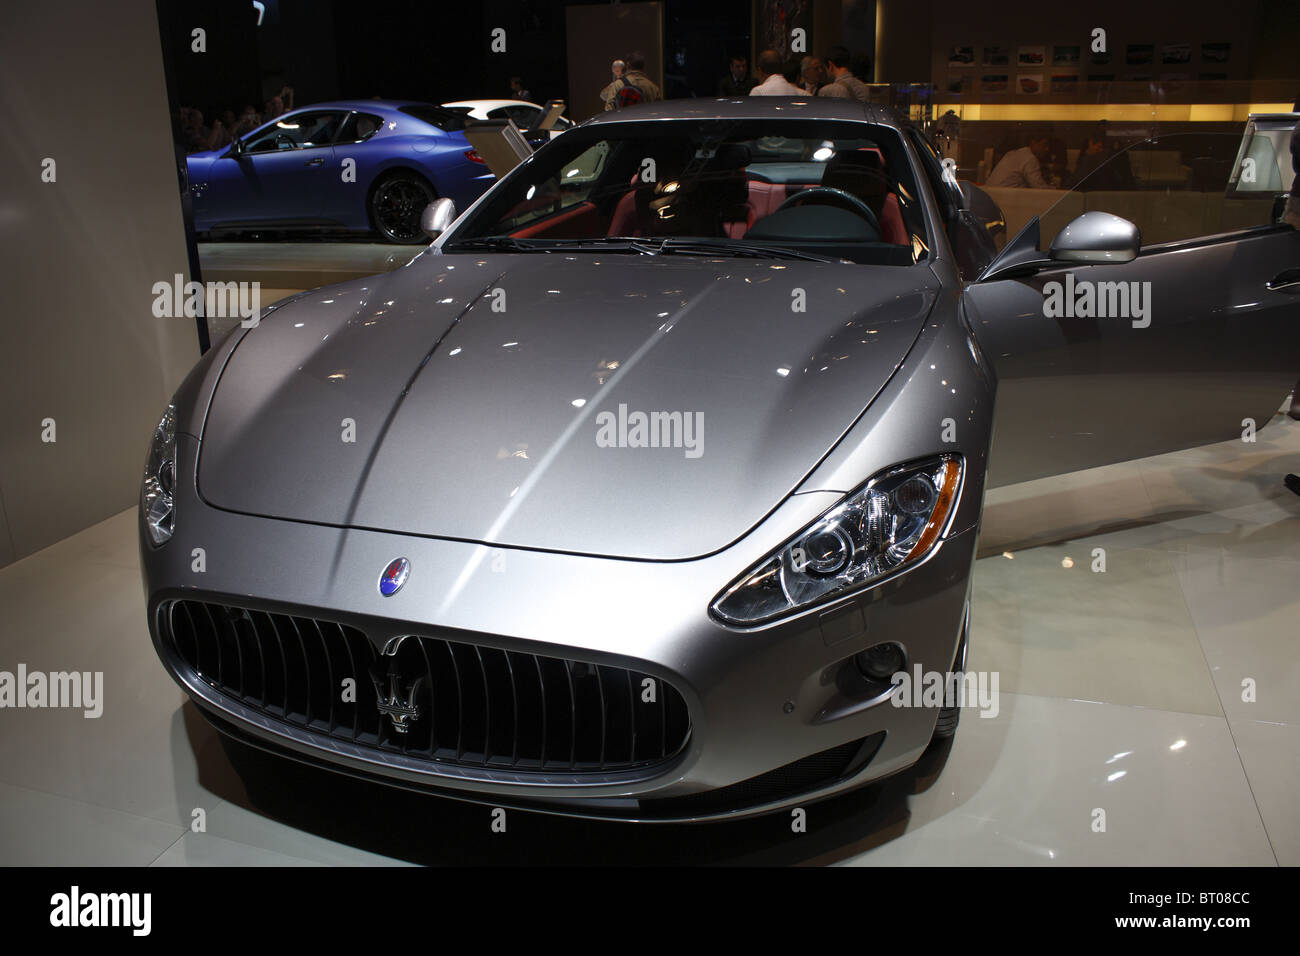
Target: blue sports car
[368,164]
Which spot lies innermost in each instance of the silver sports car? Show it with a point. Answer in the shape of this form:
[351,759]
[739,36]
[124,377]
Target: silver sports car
[635,494]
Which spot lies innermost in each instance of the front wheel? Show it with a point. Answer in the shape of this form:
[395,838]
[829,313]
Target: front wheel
[946,726]
[396,203]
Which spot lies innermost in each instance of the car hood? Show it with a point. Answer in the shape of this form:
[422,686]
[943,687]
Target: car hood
[511,400]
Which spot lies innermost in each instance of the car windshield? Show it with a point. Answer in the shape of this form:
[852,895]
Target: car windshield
[828,190]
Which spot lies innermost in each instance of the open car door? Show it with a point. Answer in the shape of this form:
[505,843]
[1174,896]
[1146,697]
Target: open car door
[1109,346]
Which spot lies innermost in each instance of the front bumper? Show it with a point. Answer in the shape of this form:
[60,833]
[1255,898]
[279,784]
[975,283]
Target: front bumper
[759,700]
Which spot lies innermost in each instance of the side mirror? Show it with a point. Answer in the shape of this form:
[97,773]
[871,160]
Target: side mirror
[236,147]
[1097,237]
[437,216]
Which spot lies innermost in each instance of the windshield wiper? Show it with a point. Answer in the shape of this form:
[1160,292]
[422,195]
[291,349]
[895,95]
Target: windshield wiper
[602,243]
[610,244]
[646,247]
[499,243]
[736,247]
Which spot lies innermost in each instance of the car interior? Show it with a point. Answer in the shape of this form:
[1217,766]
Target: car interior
[839,197]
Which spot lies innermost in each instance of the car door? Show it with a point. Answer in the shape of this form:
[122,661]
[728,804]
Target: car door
[1196,340]
[357,154]
[279,173]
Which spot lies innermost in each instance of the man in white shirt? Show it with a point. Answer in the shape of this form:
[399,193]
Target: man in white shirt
[1023,167]
[774,82]
[617,68]
[843,84]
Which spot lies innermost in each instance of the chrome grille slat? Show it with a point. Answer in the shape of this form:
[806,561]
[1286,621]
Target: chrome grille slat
[520,723]
[433,728]
[604,714]
[541,684]
[354,670]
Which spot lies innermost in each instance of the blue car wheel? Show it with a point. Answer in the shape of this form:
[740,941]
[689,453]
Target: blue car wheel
[395,205]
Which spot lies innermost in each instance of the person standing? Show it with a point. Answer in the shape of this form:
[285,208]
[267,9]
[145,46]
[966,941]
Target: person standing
[635,87]
[812,74]
[737,81]
[771,68]
[843,84]
[607,94]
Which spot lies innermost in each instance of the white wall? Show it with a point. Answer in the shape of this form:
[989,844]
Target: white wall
[82,83]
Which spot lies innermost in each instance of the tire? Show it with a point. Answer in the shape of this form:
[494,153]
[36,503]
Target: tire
[946,727]
[396,201]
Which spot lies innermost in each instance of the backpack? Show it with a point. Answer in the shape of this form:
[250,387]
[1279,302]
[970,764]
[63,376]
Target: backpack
[627,95]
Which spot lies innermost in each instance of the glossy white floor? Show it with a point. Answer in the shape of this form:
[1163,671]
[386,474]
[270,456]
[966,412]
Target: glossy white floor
[1120,691]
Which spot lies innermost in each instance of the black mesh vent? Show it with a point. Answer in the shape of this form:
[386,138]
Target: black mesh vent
[459,703]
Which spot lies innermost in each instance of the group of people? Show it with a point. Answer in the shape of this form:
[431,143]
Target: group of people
[630,85]
[1041,164]
[198,136]
[832,75]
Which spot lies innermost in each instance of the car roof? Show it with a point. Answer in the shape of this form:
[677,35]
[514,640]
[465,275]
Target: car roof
[490,104]
[371,105]
[753,107]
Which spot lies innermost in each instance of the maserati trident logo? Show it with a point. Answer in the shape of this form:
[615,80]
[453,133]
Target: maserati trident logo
[393,695]
[394,576]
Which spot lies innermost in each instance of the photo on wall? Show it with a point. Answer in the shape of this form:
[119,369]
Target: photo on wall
[1032,56]
[961,56]
[1066,55]
[1065,82]
[997,56]
[1029,84]
[1140,54]
[995,83]
[1216,52]
[1176,54]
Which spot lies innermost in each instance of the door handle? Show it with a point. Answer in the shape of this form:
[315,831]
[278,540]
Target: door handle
[1289,279]
[314,162]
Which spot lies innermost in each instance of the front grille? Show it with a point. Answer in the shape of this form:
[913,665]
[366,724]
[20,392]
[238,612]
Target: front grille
[459,703]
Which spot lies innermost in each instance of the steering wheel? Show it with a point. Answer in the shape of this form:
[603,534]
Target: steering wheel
[855,204]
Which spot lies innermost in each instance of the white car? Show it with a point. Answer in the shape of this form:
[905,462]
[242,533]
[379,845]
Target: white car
[524,114]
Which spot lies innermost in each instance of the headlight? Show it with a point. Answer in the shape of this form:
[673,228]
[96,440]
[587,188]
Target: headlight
[891,522]
[160,479]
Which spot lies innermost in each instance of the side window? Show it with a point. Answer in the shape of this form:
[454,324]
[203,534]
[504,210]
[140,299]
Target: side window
[524,116]
[1264,158]
[577,182]
[1176,187]
[941,186]
[296,131]
[359,127]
